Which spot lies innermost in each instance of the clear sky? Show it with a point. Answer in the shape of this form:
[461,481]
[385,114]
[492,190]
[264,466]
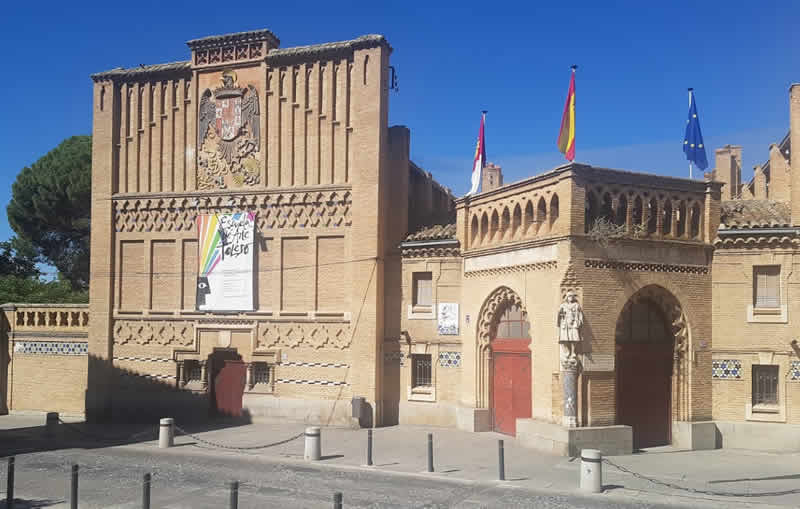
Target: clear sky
[636,60]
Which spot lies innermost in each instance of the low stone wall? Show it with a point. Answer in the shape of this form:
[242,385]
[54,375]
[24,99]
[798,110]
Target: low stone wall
[764,436]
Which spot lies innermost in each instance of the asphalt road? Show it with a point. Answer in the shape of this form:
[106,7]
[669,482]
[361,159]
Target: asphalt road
[186,477]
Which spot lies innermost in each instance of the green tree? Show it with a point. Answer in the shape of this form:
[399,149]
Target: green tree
[50,208]
[18,258]
[18,289]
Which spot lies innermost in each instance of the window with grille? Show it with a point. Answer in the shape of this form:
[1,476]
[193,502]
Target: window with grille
[766,286]
[423,289]
[513,324]
[260,373]
[765,385]
[421,370]
[194,373]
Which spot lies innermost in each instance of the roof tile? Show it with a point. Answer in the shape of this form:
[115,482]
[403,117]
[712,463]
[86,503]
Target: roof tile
[755,214]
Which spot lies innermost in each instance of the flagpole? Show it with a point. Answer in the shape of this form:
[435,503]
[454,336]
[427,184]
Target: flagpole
[690,107]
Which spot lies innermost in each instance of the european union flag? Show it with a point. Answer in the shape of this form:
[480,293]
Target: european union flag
[693,145]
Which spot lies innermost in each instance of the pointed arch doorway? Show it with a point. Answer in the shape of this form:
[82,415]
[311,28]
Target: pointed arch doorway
[511,369]
[651,337]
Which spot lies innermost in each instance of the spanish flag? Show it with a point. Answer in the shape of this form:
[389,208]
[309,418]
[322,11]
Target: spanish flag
[566,137]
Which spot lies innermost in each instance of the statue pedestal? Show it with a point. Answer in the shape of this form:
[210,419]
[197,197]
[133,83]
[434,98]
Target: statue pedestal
[569,382]
[554,438]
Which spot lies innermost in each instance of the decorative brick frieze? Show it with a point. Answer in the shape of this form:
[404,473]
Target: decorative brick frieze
[498,271]
[314,335]
[145,332]
[645,267]
[312,209]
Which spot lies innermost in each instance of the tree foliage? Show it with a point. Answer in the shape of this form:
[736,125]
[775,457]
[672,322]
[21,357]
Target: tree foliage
[50,208]
[33,290]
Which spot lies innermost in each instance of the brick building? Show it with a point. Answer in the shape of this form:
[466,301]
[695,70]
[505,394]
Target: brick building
[365,293]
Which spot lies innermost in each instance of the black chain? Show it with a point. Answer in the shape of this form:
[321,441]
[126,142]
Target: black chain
[698,491]
[101,438]
[237,448]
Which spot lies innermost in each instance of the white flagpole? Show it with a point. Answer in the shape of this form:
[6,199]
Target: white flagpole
[690,109]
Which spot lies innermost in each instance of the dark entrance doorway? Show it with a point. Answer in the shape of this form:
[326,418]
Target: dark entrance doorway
[228,377]
[511,370]
[644,373]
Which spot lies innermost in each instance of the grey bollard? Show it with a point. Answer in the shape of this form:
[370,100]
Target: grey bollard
[51,424]
[591,471]
[313,450]
[166,433]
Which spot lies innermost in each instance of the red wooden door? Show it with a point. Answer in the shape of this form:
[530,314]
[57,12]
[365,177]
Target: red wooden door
[229,387]
[511,384]
[644,381]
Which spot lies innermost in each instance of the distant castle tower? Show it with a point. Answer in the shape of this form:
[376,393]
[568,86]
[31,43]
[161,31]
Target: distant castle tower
[492,177]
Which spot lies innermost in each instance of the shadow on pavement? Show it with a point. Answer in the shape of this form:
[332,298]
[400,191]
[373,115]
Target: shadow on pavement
[20,503]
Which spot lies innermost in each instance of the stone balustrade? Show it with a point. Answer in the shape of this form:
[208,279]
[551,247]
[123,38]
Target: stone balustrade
[47,317]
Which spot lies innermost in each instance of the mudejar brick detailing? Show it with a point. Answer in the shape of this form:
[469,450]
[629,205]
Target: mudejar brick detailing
[361,279]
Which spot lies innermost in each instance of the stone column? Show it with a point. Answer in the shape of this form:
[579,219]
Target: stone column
[204,374]
[181,374]
[569,381]
[249,380]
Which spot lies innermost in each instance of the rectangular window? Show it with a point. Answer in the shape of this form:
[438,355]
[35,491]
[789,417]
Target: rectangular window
[194,372]
[765,385]
[423,289]
[260,373]
[766,286]
[420,370]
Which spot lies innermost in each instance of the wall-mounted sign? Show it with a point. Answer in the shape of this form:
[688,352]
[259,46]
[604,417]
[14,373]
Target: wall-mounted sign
[225,272]
[448,318]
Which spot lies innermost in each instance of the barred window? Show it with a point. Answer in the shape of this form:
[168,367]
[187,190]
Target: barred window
[766,286]
[765,385]
[260,373]
[193,371]
[420,370]
[423,289]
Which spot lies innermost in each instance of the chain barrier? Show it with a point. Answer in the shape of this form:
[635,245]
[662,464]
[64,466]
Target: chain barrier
[237,448]
[700,491]
[101,438]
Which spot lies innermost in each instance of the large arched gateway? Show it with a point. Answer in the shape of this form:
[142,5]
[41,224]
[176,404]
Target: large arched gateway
[504,364]
[651,336]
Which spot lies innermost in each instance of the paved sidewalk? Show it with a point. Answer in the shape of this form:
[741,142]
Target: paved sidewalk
[473,458]
[460,455]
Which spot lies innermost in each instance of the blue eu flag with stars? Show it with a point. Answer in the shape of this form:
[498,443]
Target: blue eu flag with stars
[693,145]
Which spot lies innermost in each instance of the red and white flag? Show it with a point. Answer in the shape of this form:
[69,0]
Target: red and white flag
[480,159]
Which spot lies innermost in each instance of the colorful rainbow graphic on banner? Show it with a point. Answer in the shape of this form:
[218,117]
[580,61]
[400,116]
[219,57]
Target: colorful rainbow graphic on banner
[210,243]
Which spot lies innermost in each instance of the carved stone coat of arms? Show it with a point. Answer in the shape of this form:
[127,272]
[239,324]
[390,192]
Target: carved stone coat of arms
[228,136]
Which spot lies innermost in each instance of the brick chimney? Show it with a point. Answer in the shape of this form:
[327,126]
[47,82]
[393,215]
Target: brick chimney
[492,177]
[794,150]
[729,170]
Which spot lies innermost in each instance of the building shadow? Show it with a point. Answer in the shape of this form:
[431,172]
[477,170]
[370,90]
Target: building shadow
[21,503]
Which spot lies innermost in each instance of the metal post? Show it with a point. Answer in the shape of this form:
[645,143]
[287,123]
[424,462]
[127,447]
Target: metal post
[234,485]
[430,452]
[10,484]
[591,471]
[313,449]
[73,492]
[337,500]
[369,447]
[146,492]
[166,433]
[501,458]
[51,424]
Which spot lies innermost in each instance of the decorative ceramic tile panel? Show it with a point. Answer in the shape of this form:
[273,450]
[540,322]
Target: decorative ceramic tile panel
[52,347]
[314,364]
[448,318]
[393,356]
[309,382]
[726,369]
[450,359]
[794,370]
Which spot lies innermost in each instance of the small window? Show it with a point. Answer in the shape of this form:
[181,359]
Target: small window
[420,370]
[765,385]
[766,286]
[423,289]
[260,373]
[194,372]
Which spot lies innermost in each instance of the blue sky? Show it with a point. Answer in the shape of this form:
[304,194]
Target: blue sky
[453,60]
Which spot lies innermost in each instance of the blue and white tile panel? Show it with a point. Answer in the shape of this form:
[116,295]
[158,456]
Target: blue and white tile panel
[326,383]
[51,347]
[450,359]
[143,359]
[794,371]
[149,376]
[726,369]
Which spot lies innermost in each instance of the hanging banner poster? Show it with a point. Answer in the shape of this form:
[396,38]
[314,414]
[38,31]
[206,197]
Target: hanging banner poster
[225,272]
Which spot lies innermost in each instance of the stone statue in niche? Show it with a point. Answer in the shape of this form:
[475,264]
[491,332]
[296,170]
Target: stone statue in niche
[227,154]
[569,321]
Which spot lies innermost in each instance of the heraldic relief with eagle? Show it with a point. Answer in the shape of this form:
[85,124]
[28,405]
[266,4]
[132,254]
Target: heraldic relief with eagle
[228,152]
